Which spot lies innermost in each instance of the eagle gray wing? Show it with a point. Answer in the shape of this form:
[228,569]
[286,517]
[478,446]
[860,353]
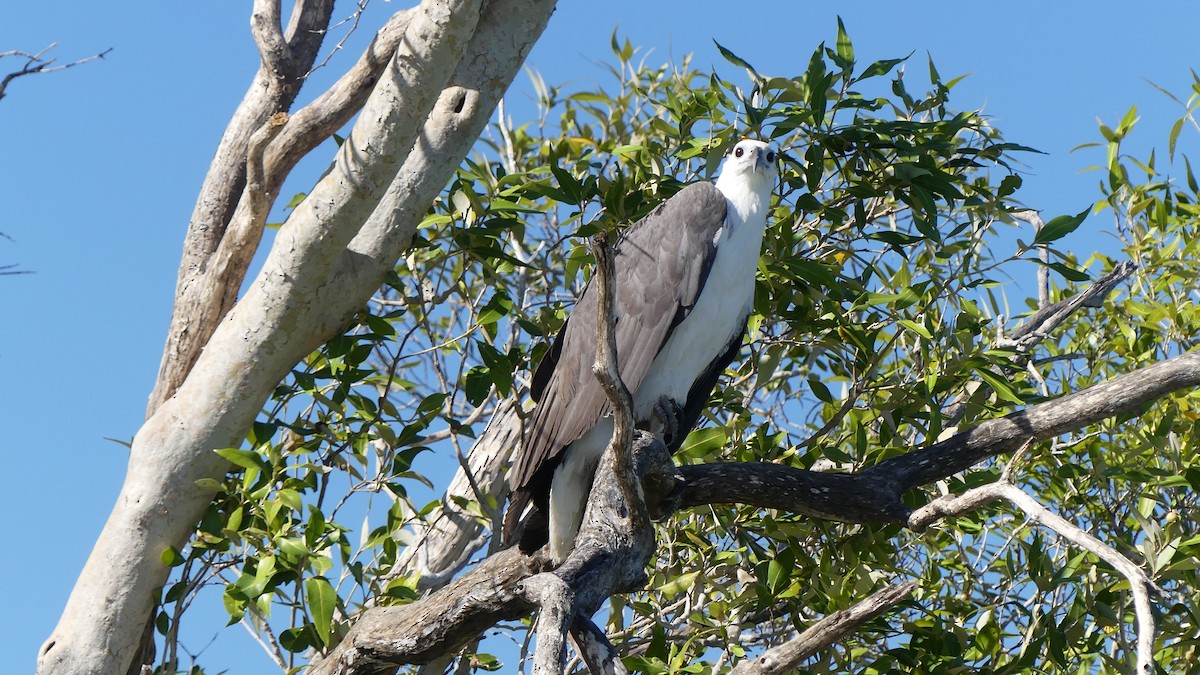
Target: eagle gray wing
[662,263]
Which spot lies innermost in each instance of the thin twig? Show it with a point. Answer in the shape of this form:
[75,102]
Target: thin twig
[37,63]
[1034,218]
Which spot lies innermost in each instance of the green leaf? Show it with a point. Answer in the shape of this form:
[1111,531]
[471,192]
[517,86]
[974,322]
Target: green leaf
[247,459]
[882,67]
[1127,122]
[1059,227]
[1000,385]
[209,484]
[735,59]
[1174,136]
[172,558]
[1069,273]
[843,47]
[499,368]
[1008,185]
[820,390]
[432,402]
[703,442]
[916,328]
[321,600]
[677,585]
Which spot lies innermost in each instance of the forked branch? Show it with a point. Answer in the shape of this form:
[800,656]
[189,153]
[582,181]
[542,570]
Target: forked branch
[39,63]
[1140,583]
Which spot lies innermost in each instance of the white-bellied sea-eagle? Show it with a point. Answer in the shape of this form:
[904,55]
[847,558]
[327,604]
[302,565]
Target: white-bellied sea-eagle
[684,289]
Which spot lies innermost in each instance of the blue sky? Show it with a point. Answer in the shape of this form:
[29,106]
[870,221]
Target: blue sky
[101,165]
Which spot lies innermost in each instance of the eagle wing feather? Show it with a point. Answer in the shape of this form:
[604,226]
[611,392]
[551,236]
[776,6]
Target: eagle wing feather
[662,263]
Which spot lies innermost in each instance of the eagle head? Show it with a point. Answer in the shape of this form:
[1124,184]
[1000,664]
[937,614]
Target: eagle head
[751,167]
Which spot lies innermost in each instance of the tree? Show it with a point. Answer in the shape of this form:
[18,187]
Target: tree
[408,292]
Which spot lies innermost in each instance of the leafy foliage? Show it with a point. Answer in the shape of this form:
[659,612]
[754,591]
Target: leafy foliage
[878,328]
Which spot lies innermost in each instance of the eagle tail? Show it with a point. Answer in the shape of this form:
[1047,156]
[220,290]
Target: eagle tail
[525,524]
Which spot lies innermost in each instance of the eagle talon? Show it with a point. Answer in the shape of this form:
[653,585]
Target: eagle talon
[667,419]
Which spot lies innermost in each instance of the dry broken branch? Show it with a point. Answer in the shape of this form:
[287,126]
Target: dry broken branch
[1049,317]
[38,63]
[606,370]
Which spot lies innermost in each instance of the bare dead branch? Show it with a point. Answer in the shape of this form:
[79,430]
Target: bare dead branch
[38,63]
[786,657]
[595,649]
[606,370]
[1140,583]
[616,522]
[1038,326]
[1043,273]
[555,601]
[874,495]
[267,28]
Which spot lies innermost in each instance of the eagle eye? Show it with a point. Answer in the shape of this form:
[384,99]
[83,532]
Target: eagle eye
[770,156]
[738,152]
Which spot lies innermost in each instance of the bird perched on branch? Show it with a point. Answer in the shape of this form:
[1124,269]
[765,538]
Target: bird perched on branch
[684,289]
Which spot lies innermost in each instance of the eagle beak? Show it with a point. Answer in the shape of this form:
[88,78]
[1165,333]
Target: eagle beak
[761,161]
